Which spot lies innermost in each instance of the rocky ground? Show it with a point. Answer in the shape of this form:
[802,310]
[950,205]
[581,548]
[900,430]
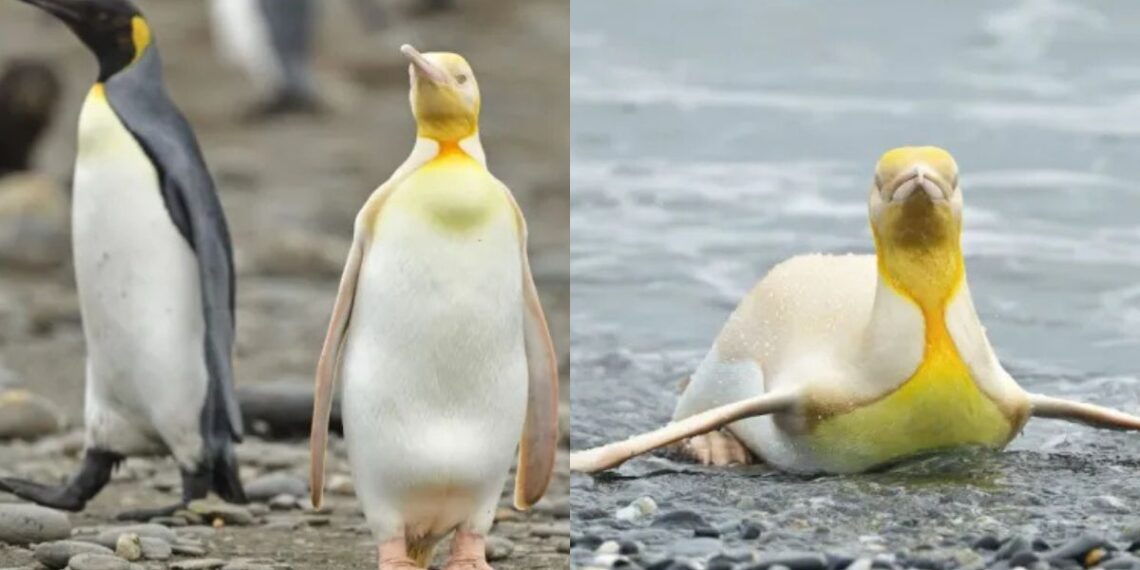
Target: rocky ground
[278,530]
[290,188]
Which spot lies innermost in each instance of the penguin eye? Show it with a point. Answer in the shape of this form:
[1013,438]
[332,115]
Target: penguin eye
[461,78]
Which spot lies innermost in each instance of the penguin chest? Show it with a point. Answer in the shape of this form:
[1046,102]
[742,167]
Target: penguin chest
[940,406]
[137,280]
[434,367]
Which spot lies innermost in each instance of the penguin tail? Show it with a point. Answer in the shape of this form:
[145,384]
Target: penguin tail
[225,480]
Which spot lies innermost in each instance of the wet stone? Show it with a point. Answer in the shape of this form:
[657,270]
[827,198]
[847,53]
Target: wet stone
[700,547]
[1013,546]
[680,520]
[1076,549]
[637,510]
[1024,559]
[98,562]
[706,531]
[792,560]
[55,555]
[1109,504]
[987,542]
[28,524]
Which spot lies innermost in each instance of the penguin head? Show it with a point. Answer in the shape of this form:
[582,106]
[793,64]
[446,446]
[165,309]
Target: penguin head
[915,200]
[444,95]
[29,94]
[114,30]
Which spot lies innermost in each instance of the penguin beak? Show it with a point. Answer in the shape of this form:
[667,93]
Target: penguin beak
[70,11]
[423,67]
[918,181]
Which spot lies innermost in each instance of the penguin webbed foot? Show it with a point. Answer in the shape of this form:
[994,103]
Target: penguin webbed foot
[719,448]
[72,496]
[62,497]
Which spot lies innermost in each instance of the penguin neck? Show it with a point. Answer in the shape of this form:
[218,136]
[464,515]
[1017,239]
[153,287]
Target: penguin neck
[929,278]
[428,149]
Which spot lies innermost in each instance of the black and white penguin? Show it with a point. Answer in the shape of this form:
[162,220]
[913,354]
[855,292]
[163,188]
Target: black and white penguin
[154,269]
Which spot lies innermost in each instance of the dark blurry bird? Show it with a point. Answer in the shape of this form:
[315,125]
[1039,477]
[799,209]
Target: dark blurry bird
[154,269]
[272,40]
[33,208]
[29,95]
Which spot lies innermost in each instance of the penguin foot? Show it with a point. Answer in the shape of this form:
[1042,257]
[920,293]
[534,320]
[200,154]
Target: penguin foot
[393,555]
[717,448]
[144,515]
[468,552]
[93,475]
[46,495]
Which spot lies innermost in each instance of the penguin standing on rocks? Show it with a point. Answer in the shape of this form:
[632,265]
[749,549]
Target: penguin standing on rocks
[154,270]
[272,40]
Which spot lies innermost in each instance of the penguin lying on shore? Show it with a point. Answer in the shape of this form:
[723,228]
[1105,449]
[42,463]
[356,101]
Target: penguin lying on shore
[154,270]
[841,364]
[440,340]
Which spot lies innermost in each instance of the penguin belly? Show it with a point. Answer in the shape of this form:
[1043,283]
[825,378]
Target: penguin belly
[434,369]
[139,296]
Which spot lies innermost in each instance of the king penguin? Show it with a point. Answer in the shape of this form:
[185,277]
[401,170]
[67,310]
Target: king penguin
[154,270]
[440,341]
[272,40]
[842,364]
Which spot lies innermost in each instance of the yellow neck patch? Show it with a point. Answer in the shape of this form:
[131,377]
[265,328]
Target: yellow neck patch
[939,406]
[140,35]
[452,191]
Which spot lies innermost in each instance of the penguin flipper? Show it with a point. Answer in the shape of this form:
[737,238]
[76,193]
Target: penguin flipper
[327,366]
[1089,414]
[614,454]
[539,444]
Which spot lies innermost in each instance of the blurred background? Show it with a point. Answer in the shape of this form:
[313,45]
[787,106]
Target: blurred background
[714,139]
[291,178]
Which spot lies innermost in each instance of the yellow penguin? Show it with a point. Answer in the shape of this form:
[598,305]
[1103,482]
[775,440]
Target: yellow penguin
[441,343]
[840,364]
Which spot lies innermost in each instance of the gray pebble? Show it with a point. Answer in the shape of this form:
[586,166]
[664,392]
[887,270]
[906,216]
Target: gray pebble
[230,514]
[155,549]
[792,560]
[264,488]
[55,555]
[24,415]
[129,547]
[198,564]
[640,509]
[696,547]
[499,548]
[109,536]
[283,502]
[680,519]
[27,524]
[1109,504]
[98,562]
